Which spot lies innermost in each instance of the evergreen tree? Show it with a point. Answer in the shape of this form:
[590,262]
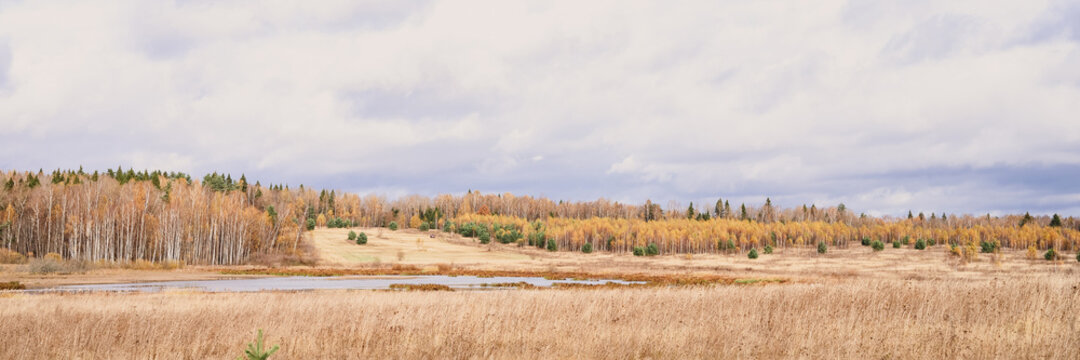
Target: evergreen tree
[690,211]
[1056,221]
[1027,219]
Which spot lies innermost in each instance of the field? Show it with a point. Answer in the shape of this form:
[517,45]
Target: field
[848,303]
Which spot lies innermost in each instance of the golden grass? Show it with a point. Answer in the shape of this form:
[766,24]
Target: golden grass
[12,285]
[406,246]
[859,319]
[420,287]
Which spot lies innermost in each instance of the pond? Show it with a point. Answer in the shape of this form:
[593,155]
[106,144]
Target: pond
[299,283]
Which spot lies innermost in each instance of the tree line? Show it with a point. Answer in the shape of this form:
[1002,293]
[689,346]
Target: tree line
[124,215]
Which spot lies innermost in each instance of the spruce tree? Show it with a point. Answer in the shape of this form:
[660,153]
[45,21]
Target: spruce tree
[1055,221]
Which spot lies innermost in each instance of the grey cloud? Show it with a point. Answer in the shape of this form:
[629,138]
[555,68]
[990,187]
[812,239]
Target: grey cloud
[937,37]
[5,66]
[1061,20]
[739,100]
[417,103]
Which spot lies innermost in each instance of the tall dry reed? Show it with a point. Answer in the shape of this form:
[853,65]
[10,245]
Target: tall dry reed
[860,319]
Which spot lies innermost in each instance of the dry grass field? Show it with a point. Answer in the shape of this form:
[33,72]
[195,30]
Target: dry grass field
[404,247]
[848,303]
[858,319]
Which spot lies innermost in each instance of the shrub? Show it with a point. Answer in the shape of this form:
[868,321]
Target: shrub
[987,247]
[256,351]
[905,240]
[537,239]
[361,239]
[652,250]
[11,257]
[311,224]
[931,242]
[483,235]
[424,227]
[920,244]
[393,226]
[896,244]
[1032,253]
[752,254]
[639,251]
[338,223]
[1050,254]
[877,245]
[551,245]
[45,266]
[352,235]
[448,226]
[1078,256]
[12,285]
[768,249]
[822,247]
[865,241]
[587,248]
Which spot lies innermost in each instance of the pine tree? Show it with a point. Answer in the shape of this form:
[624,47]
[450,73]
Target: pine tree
[1056,221]
[1027,219]
[690,211]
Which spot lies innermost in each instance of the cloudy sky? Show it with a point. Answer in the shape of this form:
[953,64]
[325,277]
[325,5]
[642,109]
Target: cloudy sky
[959,106]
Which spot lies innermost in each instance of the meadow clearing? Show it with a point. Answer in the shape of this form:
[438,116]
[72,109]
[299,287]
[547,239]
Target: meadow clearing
[846,303]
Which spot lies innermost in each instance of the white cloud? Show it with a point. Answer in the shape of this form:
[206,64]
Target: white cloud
[621,99]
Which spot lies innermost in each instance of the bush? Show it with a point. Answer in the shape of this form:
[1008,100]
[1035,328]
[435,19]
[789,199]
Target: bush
[11,257]
[587,248]
[987,247]
[822,247]
[551,245]
[12,285]
[752,254]
[393,226]
[1050,254]
[877,245]
[352,235]
[483,235]
[896,244]
[652,250]
[931,242]
[920,244]
[639,251]
[361,239]
[865,241]
[424,227]
[338,223]
[906,240]
[45,265]
[1078,257]
[768,249]
[311,224]
[448,226]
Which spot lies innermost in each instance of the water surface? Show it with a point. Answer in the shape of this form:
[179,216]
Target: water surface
[299,283]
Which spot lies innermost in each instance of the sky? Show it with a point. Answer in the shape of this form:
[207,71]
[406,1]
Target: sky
[885,106]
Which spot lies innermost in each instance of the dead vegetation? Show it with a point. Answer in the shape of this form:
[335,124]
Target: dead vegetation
[859,319]
[420,287]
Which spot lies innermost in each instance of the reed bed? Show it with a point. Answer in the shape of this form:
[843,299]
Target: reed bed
[859,319]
